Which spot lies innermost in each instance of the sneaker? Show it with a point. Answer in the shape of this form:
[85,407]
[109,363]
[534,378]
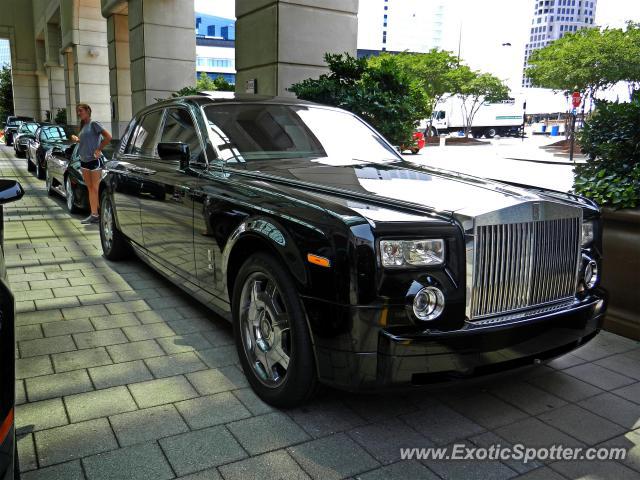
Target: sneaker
[91,219]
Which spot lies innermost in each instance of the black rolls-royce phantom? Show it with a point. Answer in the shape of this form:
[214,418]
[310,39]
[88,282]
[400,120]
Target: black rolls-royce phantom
[337,261]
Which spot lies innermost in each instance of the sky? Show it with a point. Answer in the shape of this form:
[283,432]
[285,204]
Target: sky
[485,26]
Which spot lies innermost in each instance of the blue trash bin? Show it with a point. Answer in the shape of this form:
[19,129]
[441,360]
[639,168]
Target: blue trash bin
[543,129]
[555,130]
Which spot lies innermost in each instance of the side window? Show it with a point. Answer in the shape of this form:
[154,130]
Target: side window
[143,138]
[179,127]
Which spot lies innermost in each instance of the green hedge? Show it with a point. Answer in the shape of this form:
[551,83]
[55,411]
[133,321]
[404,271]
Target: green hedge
[611,141]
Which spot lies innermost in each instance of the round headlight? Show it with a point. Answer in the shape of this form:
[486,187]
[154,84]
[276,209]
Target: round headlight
[428,303]
[591,274]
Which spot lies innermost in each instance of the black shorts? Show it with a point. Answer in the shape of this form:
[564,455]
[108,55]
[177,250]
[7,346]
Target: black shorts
[92,165]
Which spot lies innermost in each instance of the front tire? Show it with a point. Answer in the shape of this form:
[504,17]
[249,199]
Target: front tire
[490,133]
[114,244]
[48,183]
[40,172]
[70,196]
[30,166]
[271,333]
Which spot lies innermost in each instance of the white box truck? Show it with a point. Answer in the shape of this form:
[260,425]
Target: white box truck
[502,118]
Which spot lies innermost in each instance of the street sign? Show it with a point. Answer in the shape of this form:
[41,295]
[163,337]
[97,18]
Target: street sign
[576,99]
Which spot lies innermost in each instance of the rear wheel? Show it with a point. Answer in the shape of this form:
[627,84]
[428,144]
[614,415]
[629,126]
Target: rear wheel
[271,333]
[114,244]
[490,133]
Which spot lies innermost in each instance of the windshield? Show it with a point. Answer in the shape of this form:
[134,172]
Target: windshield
[28,127]
[264,132]
[54,133]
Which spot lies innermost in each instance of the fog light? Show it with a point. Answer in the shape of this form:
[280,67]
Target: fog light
[428,303]
[591,274]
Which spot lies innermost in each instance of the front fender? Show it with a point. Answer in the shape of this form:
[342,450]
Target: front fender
[271,233]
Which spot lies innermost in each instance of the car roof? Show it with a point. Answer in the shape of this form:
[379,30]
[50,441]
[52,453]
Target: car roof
[238,99]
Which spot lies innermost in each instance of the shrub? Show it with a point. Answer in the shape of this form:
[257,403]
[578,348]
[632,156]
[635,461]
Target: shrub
[61,116]
[611,141]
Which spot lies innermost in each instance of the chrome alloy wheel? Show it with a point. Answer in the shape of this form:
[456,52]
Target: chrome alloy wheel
[265,329]
[69,194]
[106,221]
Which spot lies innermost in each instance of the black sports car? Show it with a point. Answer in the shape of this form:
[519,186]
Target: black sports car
[10,190]
[11,127]
[21,139]
[339,262]
[45,138]
[64,175]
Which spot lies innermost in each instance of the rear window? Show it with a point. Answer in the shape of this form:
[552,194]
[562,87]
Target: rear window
[28,127]
[54,133]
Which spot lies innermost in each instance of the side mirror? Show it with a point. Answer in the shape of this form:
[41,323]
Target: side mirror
[68,152]
[174,151]
[10,191]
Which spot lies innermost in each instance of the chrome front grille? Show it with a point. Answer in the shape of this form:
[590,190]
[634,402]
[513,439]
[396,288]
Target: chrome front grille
[521,265]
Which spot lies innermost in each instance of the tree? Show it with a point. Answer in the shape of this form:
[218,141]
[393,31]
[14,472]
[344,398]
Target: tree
[205,83]
[432,71]
[380,92]
[6,93]
[474,90]
[222,85]
[590,60]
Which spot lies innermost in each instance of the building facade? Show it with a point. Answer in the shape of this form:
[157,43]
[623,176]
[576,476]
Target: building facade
[216,57]
[552,19]
[399,25]
[215,47]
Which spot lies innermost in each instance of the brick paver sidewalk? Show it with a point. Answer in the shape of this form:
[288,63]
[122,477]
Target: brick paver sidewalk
[122,376]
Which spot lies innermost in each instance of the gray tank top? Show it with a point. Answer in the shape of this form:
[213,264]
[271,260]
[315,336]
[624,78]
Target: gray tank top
[90,136]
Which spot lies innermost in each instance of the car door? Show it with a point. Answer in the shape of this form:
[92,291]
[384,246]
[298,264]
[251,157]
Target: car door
[129,173]
[166,201]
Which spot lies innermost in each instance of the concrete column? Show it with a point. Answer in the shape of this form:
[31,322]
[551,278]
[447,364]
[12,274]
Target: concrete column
[91,61]
[119,72]
[280,42]
[54,66]
[42,80]
[162,49]
[70,85]
[19,23]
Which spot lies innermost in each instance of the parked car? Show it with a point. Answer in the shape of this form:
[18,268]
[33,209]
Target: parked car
[45,138]
[337,261]
[10,190]
[12,125]
[418,144]
[21,139]
[63,175]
